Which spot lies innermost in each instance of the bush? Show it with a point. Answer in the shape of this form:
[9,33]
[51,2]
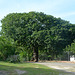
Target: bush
[14,59]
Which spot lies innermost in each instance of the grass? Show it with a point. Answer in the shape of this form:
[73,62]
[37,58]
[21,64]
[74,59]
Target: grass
[30,68]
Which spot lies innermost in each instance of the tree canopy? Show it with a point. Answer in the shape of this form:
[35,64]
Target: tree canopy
[38,31]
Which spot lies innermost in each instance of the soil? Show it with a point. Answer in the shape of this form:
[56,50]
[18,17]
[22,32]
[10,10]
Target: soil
[16,71]
[19,72]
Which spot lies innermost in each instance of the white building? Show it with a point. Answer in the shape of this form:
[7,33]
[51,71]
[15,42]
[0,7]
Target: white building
[72,58]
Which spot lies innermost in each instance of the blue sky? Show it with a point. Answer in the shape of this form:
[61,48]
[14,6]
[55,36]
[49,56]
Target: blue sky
[64,9]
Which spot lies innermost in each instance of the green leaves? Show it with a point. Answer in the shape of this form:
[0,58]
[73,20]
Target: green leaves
[7,47]
[38,30]
[71,47]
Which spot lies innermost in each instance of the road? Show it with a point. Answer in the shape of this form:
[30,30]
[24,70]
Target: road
[67,67]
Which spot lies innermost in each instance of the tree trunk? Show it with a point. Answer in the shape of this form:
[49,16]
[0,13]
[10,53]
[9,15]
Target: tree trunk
[35,54]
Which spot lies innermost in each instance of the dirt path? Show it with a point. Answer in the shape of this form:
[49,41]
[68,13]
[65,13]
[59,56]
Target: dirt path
[67,67]
[16,71]
[19,72]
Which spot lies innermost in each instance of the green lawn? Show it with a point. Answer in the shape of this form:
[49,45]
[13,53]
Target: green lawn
[29,68]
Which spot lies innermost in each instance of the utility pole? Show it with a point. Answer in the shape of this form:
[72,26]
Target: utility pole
[68,56]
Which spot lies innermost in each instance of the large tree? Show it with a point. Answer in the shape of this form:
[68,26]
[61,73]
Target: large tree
[37,31]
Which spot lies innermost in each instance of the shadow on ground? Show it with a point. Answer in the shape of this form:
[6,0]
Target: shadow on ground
[12,70]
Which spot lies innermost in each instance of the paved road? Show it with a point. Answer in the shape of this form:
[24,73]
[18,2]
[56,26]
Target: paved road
[68,67]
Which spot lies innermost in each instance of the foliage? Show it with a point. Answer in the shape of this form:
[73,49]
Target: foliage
[14,59]
[71,47]
[37,31]
[7,47]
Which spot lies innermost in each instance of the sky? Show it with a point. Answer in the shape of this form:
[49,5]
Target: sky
[65,9]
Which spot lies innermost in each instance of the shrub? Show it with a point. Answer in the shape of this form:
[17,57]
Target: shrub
[14,59]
